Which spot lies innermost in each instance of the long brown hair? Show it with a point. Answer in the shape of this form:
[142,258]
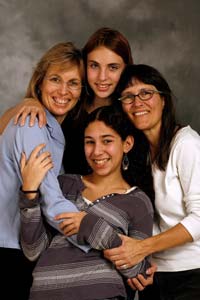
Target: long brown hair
[114,41]
[149,75]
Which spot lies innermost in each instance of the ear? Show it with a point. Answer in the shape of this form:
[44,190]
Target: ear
[128,143]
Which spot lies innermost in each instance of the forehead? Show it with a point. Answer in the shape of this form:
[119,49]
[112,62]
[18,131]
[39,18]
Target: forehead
[103,54]
[99,128]
[69,69]
[136,84]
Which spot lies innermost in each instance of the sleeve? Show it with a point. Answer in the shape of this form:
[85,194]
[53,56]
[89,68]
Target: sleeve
[34,237]
[101,235]
[188,166]
[53,201]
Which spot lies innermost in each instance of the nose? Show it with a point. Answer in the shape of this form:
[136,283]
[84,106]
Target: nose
[63,88]
[137,101]
[103,74]
[98,149]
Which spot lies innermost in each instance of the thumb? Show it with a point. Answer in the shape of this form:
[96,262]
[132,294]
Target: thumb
[22,161]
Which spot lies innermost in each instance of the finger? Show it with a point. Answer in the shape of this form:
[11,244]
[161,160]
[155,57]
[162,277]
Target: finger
[63,216]
[23,117]
[32,118]
[136,284]
[69,230]
[20,117]
[145,281]
[42,118]
[44,157]
[74,231]
[130,283]
[65,223]
[22,161]
[152,269]
[36,151]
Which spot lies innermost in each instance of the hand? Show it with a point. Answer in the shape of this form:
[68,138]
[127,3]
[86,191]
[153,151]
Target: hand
[130,253]
[35,168]
[139,283]
[70,222]
[32,107]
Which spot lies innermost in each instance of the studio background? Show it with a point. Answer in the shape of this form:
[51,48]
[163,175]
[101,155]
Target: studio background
[164,34]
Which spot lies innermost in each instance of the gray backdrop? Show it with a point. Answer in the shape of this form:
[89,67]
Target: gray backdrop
[162,33]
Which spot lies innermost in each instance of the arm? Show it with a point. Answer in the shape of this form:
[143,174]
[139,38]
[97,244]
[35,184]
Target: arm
[101,234]
[133,250]
[34,238]
[186,159]
[53,202]
[21,111]
[6,117]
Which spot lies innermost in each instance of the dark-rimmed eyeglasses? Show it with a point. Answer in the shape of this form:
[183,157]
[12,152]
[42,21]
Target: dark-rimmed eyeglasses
[143,95]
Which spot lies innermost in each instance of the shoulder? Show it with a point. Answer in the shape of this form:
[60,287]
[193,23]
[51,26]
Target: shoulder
[186,141]
[140,199]
[70,183]
[186,135]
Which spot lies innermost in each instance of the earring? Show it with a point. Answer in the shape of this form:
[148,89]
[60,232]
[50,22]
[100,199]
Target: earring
[125,162]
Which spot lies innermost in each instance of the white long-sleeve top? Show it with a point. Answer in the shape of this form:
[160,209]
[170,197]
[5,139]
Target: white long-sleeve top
[177,200]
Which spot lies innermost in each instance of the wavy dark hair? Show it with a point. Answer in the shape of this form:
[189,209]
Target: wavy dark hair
[113,117]
[149,75]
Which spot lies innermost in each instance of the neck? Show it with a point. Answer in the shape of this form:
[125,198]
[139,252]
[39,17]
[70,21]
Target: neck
[153,139]
[98,186]
[99,102]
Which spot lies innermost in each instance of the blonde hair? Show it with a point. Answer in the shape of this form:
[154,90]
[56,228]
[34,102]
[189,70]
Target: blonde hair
[61,54]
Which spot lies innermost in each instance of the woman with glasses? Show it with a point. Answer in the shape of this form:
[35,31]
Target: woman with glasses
[174,155]
[56,82]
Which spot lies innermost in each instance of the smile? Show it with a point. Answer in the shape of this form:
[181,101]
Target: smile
[60,101]
[101,161]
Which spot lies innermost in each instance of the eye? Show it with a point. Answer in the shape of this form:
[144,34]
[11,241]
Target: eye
[54,79]
[145,93]
[114,67]
[107,141]
[88,142]
[74,84]
[93,65]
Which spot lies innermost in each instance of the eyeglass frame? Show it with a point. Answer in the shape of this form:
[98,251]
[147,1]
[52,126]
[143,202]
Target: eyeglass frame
[133,96]
[54,83]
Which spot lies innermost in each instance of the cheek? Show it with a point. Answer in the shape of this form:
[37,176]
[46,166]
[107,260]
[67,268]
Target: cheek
[87,150]
[125,108]
[91,74]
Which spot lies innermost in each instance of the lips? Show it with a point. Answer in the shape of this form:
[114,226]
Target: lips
[103,87]
[60,101]
[140,113]
[100,162]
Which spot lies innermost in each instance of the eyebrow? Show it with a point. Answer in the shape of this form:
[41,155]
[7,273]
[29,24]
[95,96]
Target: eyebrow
[102,136]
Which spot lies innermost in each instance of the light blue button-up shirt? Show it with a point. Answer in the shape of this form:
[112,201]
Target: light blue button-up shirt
[14,140]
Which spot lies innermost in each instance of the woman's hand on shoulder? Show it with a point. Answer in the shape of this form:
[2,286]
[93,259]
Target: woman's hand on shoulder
[32,107]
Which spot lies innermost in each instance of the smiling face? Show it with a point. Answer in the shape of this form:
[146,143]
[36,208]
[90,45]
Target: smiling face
[145,115]
[104,148]
[57,89]
[104,68]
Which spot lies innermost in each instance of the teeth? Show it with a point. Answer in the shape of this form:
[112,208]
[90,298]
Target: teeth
[140,113]
[60,101]
[101,161]
[103,85]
